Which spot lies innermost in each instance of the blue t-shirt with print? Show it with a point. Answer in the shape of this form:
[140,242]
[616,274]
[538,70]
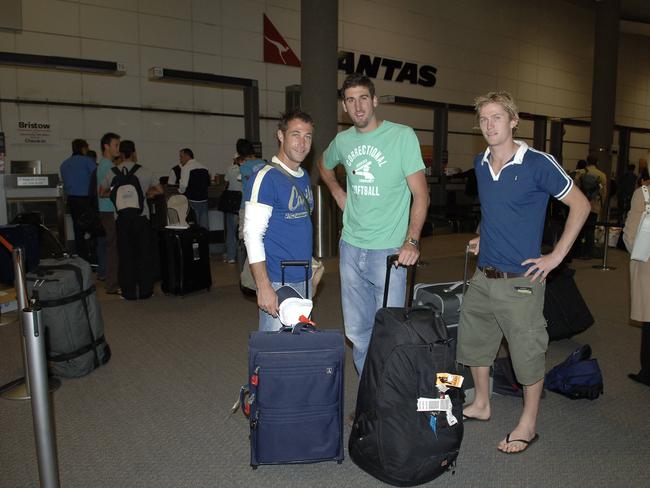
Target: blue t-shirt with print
[289,232]
[513,206]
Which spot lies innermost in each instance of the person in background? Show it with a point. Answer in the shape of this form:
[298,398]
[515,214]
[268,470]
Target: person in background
[76,172]
[92,155]
[249,164]
[194,184]
[626,189]
[107,255]
[233,183]
[639,281]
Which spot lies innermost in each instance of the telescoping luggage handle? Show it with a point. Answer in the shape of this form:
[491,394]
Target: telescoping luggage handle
[464,282]
[410,281]
[305,264]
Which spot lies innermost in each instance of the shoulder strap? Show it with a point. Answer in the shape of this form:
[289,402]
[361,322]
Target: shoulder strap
[135,168]
[292,180]
[116,171]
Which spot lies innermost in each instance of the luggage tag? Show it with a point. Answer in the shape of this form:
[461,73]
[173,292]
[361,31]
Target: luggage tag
[438,405]
[449,379]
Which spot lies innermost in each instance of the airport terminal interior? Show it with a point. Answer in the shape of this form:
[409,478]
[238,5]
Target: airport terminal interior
[201,74]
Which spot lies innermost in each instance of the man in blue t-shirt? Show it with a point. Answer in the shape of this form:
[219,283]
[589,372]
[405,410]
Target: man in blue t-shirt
[277,222]
[506,294]
[76,172]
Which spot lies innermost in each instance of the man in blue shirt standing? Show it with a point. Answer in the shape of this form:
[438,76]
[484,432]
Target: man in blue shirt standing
[506,294]
[76,172]
[277,222]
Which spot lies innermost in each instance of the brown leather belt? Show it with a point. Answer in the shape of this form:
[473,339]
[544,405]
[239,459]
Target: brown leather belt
[494,273]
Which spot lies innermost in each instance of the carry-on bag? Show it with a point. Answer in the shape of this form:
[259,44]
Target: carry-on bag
[184,260]
[446,298]
[408,421]
[74,328]
[25,237]
[565,310]
[578,376]
[295,395]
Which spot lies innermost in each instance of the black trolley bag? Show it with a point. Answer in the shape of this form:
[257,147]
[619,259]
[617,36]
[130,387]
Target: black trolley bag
[295,406]
[184,260]
[390,439]
[74,327]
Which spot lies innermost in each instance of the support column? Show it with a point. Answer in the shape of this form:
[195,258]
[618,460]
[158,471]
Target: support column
[603,93]
[319,47]
[557,136]
[539,133]
[440,133]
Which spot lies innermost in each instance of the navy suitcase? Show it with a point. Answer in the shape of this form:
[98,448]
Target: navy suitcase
[24,236]
[184,260]
[296,393]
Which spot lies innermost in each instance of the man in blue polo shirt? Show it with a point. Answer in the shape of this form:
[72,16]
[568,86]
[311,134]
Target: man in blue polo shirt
[506,294]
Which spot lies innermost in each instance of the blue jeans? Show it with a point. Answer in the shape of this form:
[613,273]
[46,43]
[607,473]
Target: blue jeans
[268,321]
[201,211]
[101,257]
[363,274]
[231,236]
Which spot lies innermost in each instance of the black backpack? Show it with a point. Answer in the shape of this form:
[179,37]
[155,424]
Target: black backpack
[126,192]
[390,439]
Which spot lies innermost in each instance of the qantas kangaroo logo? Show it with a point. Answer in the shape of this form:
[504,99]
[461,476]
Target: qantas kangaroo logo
[276,49]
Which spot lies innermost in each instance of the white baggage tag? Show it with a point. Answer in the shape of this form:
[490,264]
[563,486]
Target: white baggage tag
[434,404]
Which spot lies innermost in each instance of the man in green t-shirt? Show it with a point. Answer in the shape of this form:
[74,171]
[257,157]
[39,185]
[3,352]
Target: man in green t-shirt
[384,169]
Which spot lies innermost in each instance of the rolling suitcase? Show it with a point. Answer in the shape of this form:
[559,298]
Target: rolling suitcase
[408,421]
[295,403]
[446,298]
[184,260]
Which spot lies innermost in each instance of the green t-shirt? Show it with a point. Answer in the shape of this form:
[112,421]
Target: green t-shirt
[376,214]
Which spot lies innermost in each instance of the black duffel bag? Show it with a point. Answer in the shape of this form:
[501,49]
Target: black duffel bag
[230,201]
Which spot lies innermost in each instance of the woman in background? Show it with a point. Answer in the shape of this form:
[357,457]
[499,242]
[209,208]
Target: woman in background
[639,281]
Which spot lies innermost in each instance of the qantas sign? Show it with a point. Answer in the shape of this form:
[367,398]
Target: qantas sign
[278,51]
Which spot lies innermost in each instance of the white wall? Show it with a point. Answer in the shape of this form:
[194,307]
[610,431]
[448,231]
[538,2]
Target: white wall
[540,51]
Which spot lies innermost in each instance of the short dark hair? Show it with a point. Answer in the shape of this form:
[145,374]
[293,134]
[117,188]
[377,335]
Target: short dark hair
[187,151]
[582,164]
[244,148]
[78,145]
[357,79]
[294,113]
[592,159]
[92,155]
[127,148]
[106,139]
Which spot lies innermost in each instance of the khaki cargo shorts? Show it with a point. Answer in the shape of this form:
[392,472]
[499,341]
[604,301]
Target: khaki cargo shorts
[510,307]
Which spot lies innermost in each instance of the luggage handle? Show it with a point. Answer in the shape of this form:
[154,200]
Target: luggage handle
[410,281]
[306,264]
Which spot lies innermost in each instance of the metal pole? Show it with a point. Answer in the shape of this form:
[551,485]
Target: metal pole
[34,334]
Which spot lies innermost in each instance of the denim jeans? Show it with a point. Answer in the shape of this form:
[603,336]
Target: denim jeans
[101,257]
[270,323]
[231,236]
[201,211]
[363,274]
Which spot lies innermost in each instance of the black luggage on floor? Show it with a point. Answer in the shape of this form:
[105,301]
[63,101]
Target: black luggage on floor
[25,237]
[184,260]
[74,328]
[391,439]
[565,310]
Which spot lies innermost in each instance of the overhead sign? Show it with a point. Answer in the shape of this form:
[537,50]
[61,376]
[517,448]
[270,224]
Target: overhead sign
[276,49]
[387,69]
[35,132]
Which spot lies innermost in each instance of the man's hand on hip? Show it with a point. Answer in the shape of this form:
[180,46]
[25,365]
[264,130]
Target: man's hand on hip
[542,266]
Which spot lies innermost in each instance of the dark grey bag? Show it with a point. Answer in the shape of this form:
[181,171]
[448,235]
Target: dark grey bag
[74,328]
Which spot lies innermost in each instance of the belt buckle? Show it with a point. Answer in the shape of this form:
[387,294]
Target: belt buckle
[493,273]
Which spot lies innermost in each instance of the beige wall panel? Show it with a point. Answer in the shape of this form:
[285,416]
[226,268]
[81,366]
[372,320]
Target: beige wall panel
[109,24]
[206,63]
[208,129]
[7,41]
[126,123]
[160,126]
[48,44]
[117,4]
[242,44]
[286,21]
[206,38]
[274,103]
[233,101]
[8,82]
[111,90]
[178,9]
[287,4]
[163,94]
[208,98]
[244,68]
[60,85]
[208,11]
[244,14]
[51,16]
[165,32]
[278,77]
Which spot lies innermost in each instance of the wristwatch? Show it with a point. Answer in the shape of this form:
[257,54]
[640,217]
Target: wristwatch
[413,242]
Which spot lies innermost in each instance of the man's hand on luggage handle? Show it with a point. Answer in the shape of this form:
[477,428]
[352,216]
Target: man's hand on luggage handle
[408,255]
[267,299]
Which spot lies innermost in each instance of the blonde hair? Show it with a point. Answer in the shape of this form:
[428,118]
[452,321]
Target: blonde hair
[503,98]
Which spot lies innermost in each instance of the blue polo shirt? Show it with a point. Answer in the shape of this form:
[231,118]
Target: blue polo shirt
[76,171]
[513,206]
